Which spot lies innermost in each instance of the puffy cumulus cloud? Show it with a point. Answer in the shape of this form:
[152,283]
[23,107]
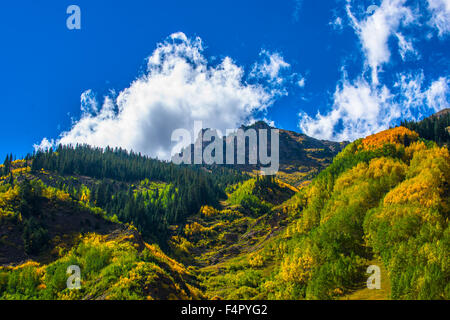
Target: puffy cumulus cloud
[375,29]
[44,145]
[273,71]
[358,110]
[88,102]
[440,16]
[270,68]
[361,109]
[179,87]
[438,95]
[364,105]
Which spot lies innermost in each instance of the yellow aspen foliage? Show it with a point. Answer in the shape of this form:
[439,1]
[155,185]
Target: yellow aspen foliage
[428,251]
[193,229]
[286,185]
[256,260]
[382,167]
[395,213]
[157,252]
[427,185]
[338,292]
[85,195]
[7,197]
[411,150]
[396,136]
[437,159]
[20,171]
[279,249]
[55,194]
[376,169]
[19,163]
[27,264]
[63,196]
[298,267]
[208,211]
[349,178]
[309,220]
[181,243]
[422,189]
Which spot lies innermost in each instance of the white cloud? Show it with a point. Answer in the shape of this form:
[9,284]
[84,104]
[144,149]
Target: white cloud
[337,23]
[302,82]
[364,106]
[270,68]
[412,93]
[418,101]
[358,110]
[270,122]
[406,47]
[44,145]
[88,102]
[375,30]
[440,15]
[178,88]
[361,109]
[438,95]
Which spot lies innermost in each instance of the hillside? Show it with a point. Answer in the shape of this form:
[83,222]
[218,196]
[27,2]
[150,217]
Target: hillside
[44,231]
[384,199]
[107,211]
[436,127]
[441,113]
[143,229]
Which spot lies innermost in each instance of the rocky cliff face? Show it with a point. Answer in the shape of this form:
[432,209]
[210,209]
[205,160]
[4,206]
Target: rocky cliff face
[300,157]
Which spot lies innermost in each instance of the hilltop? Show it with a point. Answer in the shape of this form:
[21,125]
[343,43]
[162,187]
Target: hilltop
[443,112]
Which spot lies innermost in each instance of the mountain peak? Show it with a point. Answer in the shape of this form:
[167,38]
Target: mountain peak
[441,113]
[300,157]
[257,125]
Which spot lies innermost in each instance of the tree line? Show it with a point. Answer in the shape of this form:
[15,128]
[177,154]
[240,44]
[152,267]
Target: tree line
[118,174]
[435,128]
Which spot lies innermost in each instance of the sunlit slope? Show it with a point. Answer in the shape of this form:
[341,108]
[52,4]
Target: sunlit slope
[114,266]
[44,230]
[384,198]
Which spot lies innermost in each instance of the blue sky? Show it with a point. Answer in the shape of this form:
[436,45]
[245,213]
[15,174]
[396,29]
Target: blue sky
[137,70]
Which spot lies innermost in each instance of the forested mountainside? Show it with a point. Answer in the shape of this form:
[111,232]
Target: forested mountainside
[133,188]
[436,127]
[144,229]
[383,201]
